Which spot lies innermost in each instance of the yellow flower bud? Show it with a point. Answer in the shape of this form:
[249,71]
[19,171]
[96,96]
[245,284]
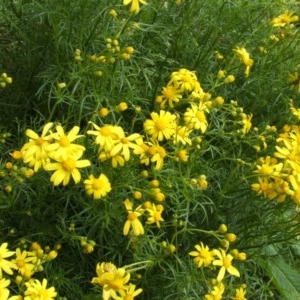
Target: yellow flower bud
[147,204]
[225,243]
[98,73]
[8,165]
[159,197]
[144,174]
[154,183]
[137,195]
[230,237]
[8,80]
[229,79]
[129,50]
[52,255]
[19,279]
[182,155]
[103,112]
[219,100]
[16,154]
[203,182]
[61,85]
[171,248]
[222,228]
[122,106]
[113,13]
[242,256]
[8,188]
[125,56]
[221,74]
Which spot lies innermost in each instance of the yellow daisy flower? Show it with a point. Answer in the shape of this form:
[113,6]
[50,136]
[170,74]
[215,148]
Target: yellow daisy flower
[171,93]
[4,292]
[35,152]
[98,187]
[224,262]
[64,169]
[124,143]
[216,293]
[25,262]
[162,126]
[195,118]
[244,56]
[132,219]
[155,212]
[112,279]
[239,294]
[135,5]
[128,293]
[38,290]
[284,19]
[6,265]
[62,147]
[203,256]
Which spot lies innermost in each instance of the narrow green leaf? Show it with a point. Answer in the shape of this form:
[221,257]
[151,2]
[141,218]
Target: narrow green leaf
[285,278]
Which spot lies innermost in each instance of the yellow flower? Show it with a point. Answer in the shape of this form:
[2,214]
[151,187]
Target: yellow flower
[25,262]
[294,81]
[171,93]
[123,144]
[64,169]
[132,219]
[38,290]
[224,262]
[195,118]
[202,182]
[98,187]
[203,256]
[135,5]
[158,153]
[129,293]
[246,121]
[16,155]
[35,152]
[263,186]
[182,155]
[216,293]
[162,126]
[182,135]
[4,292]
[244,56]
[62,147]
[6,265]
[155,212]
[112,279]
[284,19]
[106,136]
[186,80]
[239,294]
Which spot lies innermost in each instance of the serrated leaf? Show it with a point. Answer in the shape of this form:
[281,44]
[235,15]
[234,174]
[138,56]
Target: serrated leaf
[285,278]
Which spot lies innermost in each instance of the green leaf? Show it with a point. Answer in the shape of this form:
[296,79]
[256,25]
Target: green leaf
[285,278]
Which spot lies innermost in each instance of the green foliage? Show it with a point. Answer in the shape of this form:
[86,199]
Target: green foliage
[82,66]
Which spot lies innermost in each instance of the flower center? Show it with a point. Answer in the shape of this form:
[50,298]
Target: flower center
[160,125]
[64,141]
[132,216]
[69,165]
[226,262]
[97,184]
[39,141]
[128,297]
[105,131]
[20,263]
[124,140]
[200,116]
